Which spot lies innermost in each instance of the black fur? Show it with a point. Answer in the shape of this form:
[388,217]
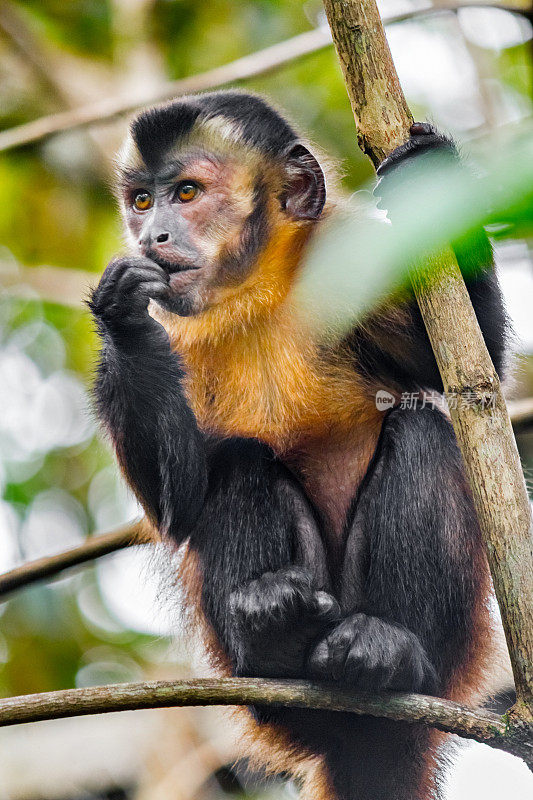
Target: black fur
[422,568]
[402,358]
[155,131]
[422,573]
[140,399]
[261,581]
[424,139]
[400,612]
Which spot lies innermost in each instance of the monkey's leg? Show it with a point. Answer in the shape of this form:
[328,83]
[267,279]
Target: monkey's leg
[422,624]
[264,581]
[262,562]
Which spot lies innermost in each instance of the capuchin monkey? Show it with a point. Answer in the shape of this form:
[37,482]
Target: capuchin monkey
[325,539]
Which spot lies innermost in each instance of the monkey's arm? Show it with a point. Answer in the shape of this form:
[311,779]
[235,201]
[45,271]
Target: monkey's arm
[140,399]
[392,346]
[261,556]
[419,616]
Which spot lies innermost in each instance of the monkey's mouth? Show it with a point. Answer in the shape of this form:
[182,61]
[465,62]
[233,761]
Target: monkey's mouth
[182,275]
[173,267]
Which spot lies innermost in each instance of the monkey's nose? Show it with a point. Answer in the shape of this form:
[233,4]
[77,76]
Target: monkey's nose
[153,241]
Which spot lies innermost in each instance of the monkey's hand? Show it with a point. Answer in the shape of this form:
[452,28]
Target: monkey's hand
[393,179]
[423,138]
[372,655]
[275,620]
[120,301]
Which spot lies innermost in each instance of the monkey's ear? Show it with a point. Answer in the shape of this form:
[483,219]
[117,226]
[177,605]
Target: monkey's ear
[304,194]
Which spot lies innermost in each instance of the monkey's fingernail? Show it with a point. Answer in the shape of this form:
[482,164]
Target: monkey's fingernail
[418,128]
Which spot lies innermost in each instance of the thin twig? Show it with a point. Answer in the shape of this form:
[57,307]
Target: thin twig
[93,547]
[108,109]
[13,26]
[253,65]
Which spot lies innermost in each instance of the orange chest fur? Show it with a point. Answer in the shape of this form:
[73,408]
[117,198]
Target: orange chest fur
[278,386]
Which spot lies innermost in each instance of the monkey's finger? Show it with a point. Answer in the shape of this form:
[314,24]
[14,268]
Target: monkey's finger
[367,670]
[153,289]
[430,681]
[157,291]
[320,664]
[415,673]
[123,263]
[422,129]
[118,266]
[328,658]
[327,607]
[133,277]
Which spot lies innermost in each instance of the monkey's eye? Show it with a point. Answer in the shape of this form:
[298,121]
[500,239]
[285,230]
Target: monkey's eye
[143,200]
[187,191]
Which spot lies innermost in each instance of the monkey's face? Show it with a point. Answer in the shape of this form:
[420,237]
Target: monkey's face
[205,206]
[201,216]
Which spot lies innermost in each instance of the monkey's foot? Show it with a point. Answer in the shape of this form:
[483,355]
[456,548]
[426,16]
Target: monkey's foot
[373,655]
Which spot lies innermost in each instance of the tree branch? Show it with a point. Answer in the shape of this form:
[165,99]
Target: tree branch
[93,547]
[491,459]
[259,63]
[481,725]
[108,109]
[484,433]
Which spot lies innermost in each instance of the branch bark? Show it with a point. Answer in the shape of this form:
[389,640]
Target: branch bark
[491,459]
[259,63]
[484,434]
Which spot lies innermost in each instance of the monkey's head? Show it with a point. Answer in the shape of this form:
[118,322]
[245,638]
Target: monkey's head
[206,184]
